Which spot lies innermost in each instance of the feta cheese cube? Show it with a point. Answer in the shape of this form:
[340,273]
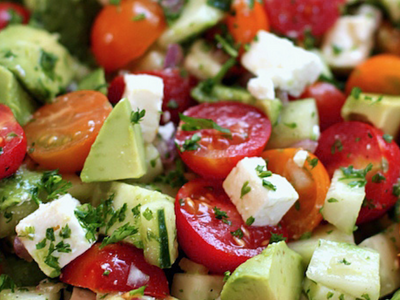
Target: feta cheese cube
[349,42]
[290,68]
[261,88]
[146,92]
[54,225]
[266,199]
[343,203]
[300,158]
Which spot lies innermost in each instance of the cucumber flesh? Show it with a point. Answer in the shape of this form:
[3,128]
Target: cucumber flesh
[317,291]
[196,286]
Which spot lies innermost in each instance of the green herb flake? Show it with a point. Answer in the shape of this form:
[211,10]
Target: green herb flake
[356,92]
[6,282]
[191,144]
[365,296]
[345,262]
[268,185]
[148,214]
[378,177]
[238,233]
[224,5]
[47,62]
[41,244]
[388,138]
[119,234]
[250,220]
[276,238]
[50,234]
[313,162]
[329,295]
[138,292]
[192,124]
[245,189]
[332,200]
[297,205]
[290,125]
[262,171]
[65,232]
[172,104]
[336,49]
[28,232]
[306,235]
[139,17]
[357,177]
[227,274]
[106,272]
[337,146]
[137,116]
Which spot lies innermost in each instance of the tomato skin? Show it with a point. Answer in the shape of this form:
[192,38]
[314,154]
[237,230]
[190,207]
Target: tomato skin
[61,134]
[361,144]
[208,240]
[245,21]
[87,271]
[5,16]
[217,153]
[379,74]
[294,17]
[12,143]
[311,183]
[116,34]
[329,101]
[116,89]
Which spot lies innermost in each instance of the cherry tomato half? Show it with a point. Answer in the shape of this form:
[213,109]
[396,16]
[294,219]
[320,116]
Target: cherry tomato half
[294,17]
[311,183]
[60,134]
[12,143]
[12,13]
[359,144]
[125,31]
[216,153]
[219,244]
[115,268]
[329,101]
[246,19]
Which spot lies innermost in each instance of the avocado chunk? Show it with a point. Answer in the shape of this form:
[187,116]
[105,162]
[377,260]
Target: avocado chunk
[275,274]
[381,111]
[15,97]
[118,151]
[41,64]
[95,81]
[16,199]
[396,296]
[55,17]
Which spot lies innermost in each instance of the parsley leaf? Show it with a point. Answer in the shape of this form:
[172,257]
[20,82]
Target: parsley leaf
[238,233]
[137,116]
[191,144]
[388,138]
[276,238]
[245,189]
[6,282]
[356,92]
[250,220]
[138,292]
[357,175]
[50,187]
[48,63]
[119,234]
[192,124]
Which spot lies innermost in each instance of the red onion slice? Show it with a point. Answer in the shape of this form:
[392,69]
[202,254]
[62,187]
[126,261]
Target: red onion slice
[20,250]
[174,56]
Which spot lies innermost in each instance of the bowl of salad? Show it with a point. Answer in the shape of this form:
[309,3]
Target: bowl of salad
[200,149]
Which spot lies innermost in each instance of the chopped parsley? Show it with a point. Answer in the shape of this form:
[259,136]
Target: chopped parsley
[119,234]
[172,104]
[137,116]
[337,146]
[388,138]
[139,17]
[336,49]
[48,63]
[227,274]
[332,200]
[14,16]
[357,177]
[276,238]
[50,187]
[250,220]
[291,125]
[262,172]
[221,215]
[28,232]
[6,282]
[238,233]
[313,162]
[356,92]
[268,185]
[138,292]
[148,214]
[227,46]
[191,144]
[345,262]
[378,177]
[245,189]
[192,124]
[224,5]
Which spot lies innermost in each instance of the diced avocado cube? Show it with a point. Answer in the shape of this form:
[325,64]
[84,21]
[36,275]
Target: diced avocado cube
[196,17]
[380,110]
[386,244]
[306,247]
[317,291]
[275,274]
[196,286]
[349,269]
[343,202]
[95,81]
[14,96]
[41,64]
[118,151]
[298,121]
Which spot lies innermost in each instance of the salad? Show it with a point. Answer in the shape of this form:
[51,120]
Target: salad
[199,149]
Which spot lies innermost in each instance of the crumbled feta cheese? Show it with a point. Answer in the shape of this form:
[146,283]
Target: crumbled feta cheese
[167,131]
[54,225]
[300,158]
[290,68]
[261,88]
[264,197]
[349,42]
[146,92]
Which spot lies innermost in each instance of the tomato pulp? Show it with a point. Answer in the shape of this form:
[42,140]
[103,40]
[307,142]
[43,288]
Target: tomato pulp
[220,243]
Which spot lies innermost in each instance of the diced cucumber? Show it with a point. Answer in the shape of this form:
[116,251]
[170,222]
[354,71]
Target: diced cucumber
[196,286]
[298,121]
[196,17]
[46,291]
[343,203]
[389,270]
[347,268]
[317,291]
[158,231]
[191,267]
[306,247]
[200,62]
[381,111]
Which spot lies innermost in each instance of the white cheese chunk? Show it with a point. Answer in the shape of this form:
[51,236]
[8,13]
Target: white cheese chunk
[267,206]
[59,216]
[146,92]
[343,203]
[300,158]
[349,42]
[290,68]
[261,88]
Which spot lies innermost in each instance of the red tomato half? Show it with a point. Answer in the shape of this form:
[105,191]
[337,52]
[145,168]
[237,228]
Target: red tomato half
[115,268]
[329,101]
[358,144]
[294,17]
[12,143]
[208,240]
[216,153]
[12,13]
